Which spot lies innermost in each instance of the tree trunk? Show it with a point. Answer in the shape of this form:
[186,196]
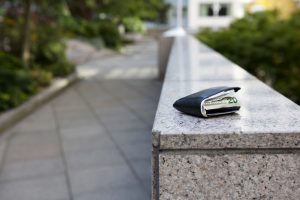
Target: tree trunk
[26,32]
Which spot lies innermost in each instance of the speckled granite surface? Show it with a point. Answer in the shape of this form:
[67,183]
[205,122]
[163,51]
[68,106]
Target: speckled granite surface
[232,176]
[266,119]
[254,154]
[191,60]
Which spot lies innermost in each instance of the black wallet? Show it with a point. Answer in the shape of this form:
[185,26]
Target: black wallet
[210,102]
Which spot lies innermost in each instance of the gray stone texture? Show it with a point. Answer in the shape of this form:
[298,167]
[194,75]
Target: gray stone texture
[253,154]
[229,176]
[266,119]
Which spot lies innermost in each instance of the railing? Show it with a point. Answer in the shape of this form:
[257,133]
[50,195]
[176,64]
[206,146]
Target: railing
[254,154]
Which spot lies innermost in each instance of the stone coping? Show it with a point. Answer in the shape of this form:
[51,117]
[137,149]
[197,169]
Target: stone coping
[267,119]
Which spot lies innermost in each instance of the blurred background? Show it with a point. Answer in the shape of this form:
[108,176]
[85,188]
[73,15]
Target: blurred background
[263,36]
[34,35]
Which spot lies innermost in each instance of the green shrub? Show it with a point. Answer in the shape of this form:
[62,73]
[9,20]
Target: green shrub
[133,25]
[47,45]
[265,46]
[16,83]
[110,34]
[71,26]
[80,27]
[41,78]
[10,35]
[8,61]
[48,52]
[106,30]
[62,69]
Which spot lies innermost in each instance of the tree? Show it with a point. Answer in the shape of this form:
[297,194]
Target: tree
[144,9]
[117,9]
[26,32]
[26,18]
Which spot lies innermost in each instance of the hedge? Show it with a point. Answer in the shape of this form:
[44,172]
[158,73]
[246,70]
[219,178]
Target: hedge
[264,45]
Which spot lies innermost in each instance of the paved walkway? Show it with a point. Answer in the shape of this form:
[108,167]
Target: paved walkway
[91,142]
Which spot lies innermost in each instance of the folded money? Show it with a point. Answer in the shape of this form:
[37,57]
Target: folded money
[210,102]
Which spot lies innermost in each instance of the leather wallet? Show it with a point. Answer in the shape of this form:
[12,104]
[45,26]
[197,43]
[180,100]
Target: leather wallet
[210,102]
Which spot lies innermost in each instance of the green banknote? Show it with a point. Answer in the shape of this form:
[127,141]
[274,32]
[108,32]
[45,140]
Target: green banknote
[222,101]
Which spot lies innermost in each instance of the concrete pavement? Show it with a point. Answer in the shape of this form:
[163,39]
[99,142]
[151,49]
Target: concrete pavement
[94,140]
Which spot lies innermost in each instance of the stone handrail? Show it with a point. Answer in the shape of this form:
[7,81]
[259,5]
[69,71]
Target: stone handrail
[254,154]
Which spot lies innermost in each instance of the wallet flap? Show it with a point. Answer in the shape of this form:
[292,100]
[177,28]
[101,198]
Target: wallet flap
[203,94]
[194,104]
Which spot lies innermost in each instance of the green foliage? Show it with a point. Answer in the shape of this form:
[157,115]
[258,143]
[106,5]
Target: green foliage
[41,78]
[110,34]
[146,9]
[48,23]
[61,69]
[47,47]
[16,83]
[115,9]
[91,29]
[133,25]
[101,18]
[10,35]
[48,52]
[265,46]
[96,30]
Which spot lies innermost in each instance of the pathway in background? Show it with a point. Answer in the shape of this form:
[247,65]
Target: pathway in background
[94,140]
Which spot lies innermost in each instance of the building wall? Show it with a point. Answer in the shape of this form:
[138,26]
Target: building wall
[192,21]
[195,21]
[285,7]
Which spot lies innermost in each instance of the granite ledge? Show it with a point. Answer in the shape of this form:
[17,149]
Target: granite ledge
[233,176]
[272,122]
[191,60]
[254,154]
[230,141]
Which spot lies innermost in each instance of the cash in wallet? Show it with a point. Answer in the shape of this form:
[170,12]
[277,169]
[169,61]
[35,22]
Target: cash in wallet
[210,102]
